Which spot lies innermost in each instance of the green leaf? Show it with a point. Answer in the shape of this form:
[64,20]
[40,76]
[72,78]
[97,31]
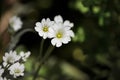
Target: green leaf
[96,9]
[80,6]
[80,35]
[101,21]
[107,14]
[103,59]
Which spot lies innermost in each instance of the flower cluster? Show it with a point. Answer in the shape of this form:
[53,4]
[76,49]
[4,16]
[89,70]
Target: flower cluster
[16,23]
[4,78]
[14,64]
[58,30]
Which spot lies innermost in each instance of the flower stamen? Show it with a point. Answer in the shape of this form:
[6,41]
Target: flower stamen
[17,71]
[45,29]
[59,35]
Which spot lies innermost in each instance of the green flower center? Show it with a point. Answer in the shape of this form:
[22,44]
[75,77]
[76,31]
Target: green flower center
[59,35]
[45,28]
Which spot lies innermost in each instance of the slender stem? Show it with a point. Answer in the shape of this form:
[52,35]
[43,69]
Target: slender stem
[40,53]
[47,54]
[41,49]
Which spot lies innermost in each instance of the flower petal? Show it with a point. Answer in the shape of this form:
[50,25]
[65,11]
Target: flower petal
[54,41]
[59,44]
[58,19]
[68,24]
[38,24]
[70,33]
[66,40]
[45,36]
[40,33]
[43,21]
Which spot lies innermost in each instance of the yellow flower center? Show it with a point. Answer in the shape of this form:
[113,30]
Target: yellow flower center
[59,35]
[17,71]
[45,28]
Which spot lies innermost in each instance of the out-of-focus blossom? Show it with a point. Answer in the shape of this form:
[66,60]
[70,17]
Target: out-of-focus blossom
[1,78]
[1,71]
[10,58]
[17,69]
[16,23]
[24,56]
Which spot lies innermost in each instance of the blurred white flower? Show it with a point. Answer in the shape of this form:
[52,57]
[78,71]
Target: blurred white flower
[16,23]
[17,69]
[10,58]
[62,32]
[24,55]
[1,78]
[44,28]
[1,71]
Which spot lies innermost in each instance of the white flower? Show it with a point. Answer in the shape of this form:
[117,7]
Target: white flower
[15,23]
[24,56]
[62,32]
[17,69]
[10,58]
[1,71]
[1,78]
[44,28]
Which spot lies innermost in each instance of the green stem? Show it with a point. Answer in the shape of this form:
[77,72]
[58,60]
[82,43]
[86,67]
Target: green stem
[41,49]
[40,53]
[47,54]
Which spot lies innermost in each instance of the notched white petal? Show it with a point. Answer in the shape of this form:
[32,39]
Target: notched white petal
[48,20]
[38,24]
[53,41]
[43,21]
[68,24]
[58,19]
[58,44]
[65,40]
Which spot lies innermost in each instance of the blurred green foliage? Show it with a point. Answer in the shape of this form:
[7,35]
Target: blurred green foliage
[80,35]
